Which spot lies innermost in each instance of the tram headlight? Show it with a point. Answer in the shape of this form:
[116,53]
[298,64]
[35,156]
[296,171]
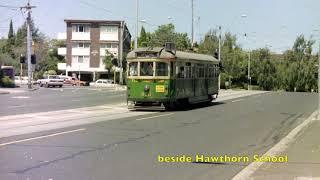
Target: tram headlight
[146,88]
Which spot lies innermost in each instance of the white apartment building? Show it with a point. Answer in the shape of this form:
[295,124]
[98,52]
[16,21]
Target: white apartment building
[87,44]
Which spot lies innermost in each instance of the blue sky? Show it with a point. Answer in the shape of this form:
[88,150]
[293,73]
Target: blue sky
[275,23]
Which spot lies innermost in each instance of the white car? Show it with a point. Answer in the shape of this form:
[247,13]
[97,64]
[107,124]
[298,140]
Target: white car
[50,80]
[22,81]
[102,83]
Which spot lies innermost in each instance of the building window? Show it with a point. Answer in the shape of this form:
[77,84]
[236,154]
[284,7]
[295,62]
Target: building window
[80,59]
[105,45]
[81,28]
[81,45]
[108,29]
[109,45]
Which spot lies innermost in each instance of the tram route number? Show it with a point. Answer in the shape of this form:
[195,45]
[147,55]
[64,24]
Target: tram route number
[160,88]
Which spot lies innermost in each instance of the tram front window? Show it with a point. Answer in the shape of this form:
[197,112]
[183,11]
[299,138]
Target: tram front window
[146,68]
[161,69]
[133,69]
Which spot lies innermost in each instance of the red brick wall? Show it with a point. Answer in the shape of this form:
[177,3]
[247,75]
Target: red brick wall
[69,44]
[95,45]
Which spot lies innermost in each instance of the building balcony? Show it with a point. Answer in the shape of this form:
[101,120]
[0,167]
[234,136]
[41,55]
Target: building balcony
[81,36]
[82,67]
[80,52]
[114,51]
[62,51]
[109,36]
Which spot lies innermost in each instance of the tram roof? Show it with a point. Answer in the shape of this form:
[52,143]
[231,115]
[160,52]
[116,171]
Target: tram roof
[167,55]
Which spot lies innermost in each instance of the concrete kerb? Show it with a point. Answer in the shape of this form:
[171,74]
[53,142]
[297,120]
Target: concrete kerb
[4,92]
[276,149]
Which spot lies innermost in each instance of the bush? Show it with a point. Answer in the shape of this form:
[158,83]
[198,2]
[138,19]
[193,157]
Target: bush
[7,82]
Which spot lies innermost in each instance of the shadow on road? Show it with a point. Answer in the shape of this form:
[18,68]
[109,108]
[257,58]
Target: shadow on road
[180,108]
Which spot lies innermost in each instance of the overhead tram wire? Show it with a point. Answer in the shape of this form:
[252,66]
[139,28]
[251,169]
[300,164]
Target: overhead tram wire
[111,13]
[9,7]
[9,18]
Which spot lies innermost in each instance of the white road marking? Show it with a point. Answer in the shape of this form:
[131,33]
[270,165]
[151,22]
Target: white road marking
[20,97]
[74,100]
[41,137]
[307,178]
[16,106]
[276,149]
[154,116]
[237,100]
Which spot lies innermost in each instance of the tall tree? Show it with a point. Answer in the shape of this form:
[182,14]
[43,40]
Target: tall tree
[166,33]
[11,34]
[210,43]
[21,36]
[8,48]
[267,75]
[143,37]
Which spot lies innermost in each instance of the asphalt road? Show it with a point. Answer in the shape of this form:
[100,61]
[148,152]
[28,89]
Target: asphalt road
[51,99]
[127,148]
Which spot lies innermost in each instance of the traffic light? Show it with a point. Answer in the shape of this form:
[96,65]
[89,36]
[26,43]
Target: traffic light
[124,65]
[33,59]
[22,59]
[216,55]
[221,67]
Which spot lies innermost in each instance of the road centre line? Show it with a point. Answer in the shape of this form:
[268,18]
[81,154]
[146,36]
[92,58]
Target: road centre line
[41,137]
[154,116]
[237,100]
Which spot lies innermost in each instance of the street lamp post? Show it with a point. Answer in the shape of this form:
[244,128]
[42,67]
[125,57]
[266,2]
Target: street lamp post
[318,114]
[219,57]
[137,22]
[249,57]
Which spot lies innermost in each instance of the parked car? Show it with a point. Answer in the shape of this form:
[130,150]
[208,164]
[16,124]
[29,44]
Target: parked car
[67,80]
[102,83]
[22,81]
[50,80]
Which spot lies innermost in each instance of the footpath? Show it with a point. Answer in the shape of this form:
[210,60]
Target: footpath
[301,145]
[303,157]
[11,90]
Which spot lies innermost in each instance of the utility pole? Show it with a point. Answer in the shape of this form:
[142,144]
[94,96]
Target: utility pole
[249,70]
[319,83]
[137,25]
[192,33]
[29,39]
[219,56]
[249,58]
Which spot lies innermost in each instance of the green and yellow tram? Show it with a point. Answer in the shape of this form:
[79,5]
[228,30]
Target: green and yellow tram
[163,77]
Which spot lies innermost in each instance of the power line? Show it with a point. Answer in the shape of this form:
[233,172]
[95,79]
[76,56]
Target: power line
[10,7]
[10,18]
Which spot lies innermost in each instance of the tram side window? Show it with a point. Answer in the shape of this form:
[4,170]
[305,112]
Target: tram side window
[201,72]
[211,72]
[215,71]
[133,69]
[180,72]
[188,70]
[146,68]
[161,69]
